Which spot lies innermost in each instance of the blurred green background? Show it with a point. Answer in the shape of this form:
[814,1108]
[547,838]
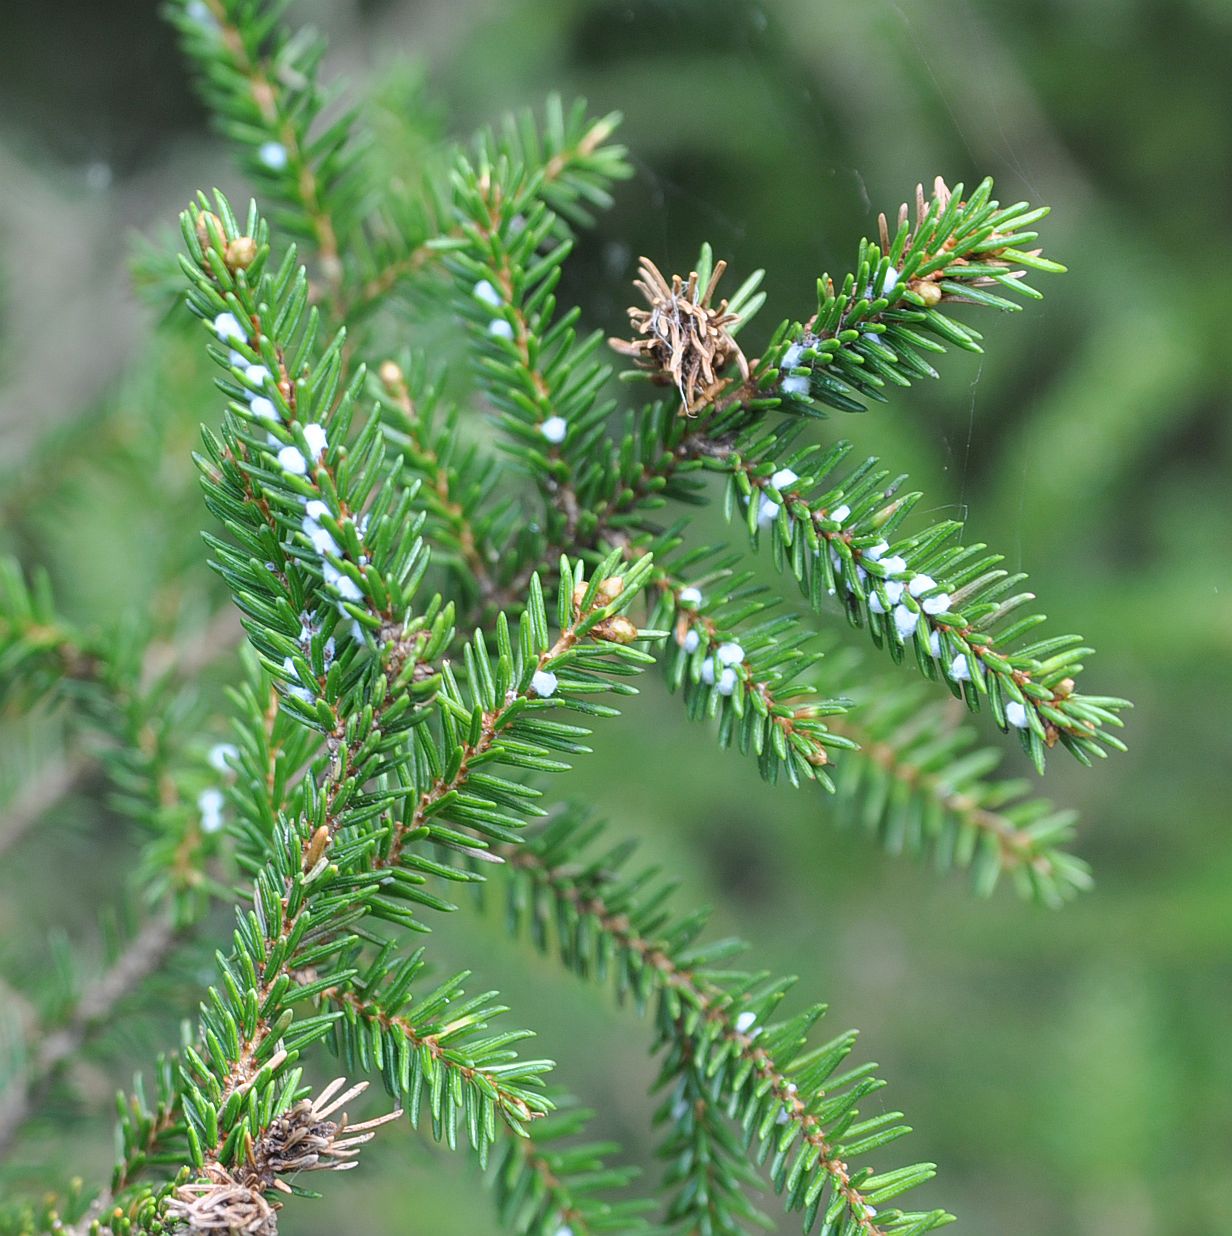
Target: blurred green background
[1069,1071]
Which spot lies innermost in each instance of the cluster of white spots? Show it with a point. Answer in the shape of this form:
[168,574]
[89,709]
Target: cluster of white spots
[341,582]
[291,458]
[554,429]
[692,640]
[485,291]
[730,653]
[905,621]
[783,1117]
[723,678]
[745,1023]
[893,587]
[209,804]
[796,385]
[227,327]
[256,376]
[324,543]
[890,282]
[273,155]
[321,538]
[934,644]
[689,597]
[906,618]
[1016,715]
[921,584]
[543,683]
[960,668]
[840,513]
[300,691]
[767,511]
[222,755]
[563,1230]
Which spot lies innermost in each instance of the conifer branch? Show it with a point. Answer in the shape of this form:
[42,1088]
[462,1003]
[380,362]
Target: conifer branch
[717,1021]
[437,1052]
[457,490]
[746,672]
[542,380]
[921,783]
[945,603]
[378,751]
[551,1181]
[568,165]
[261,87]
[907,773]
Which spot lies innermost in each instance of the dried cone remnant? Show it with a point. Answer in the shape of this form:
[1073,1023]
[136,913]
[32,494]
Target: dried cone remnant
[681,337]
[302,1139]
[928,288]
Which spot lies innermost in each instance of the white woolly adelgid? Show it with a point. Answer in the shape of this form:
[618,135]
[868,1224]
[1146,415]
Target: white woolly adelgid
[486,292]
[796,385]
[293,685]
[209,804]
[227,327]
[272,155]
[543,683]
[768,508]
[315,437]
[292,460]
[554,429]
[322,539]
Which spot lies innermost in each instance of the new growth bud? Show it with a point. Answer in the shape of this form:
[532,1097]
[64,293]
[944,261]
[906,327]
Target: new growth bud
[611,588]
[617,630]
[240,253]
[208,226]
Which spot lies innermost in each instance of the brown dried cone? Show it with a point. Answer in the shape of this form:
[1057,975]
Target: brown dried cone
[302,1139]
[682,339]
[927,288]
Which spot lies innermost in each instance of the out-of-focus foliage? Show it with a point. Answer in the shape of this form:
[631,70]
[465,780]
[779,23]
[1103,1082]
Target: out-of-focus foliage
[1068,1069]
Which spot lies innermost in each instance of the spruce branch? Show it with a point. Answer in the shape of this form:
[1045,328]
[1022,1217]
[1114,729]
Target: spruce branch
[888,316]
[946,604]
[921,782]
[789,1103]
[567,164]
[261,86]
[379,750]
[552,1180]
[457,487]
[733,661]
[542,380]
[503,718]
[432,1049]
